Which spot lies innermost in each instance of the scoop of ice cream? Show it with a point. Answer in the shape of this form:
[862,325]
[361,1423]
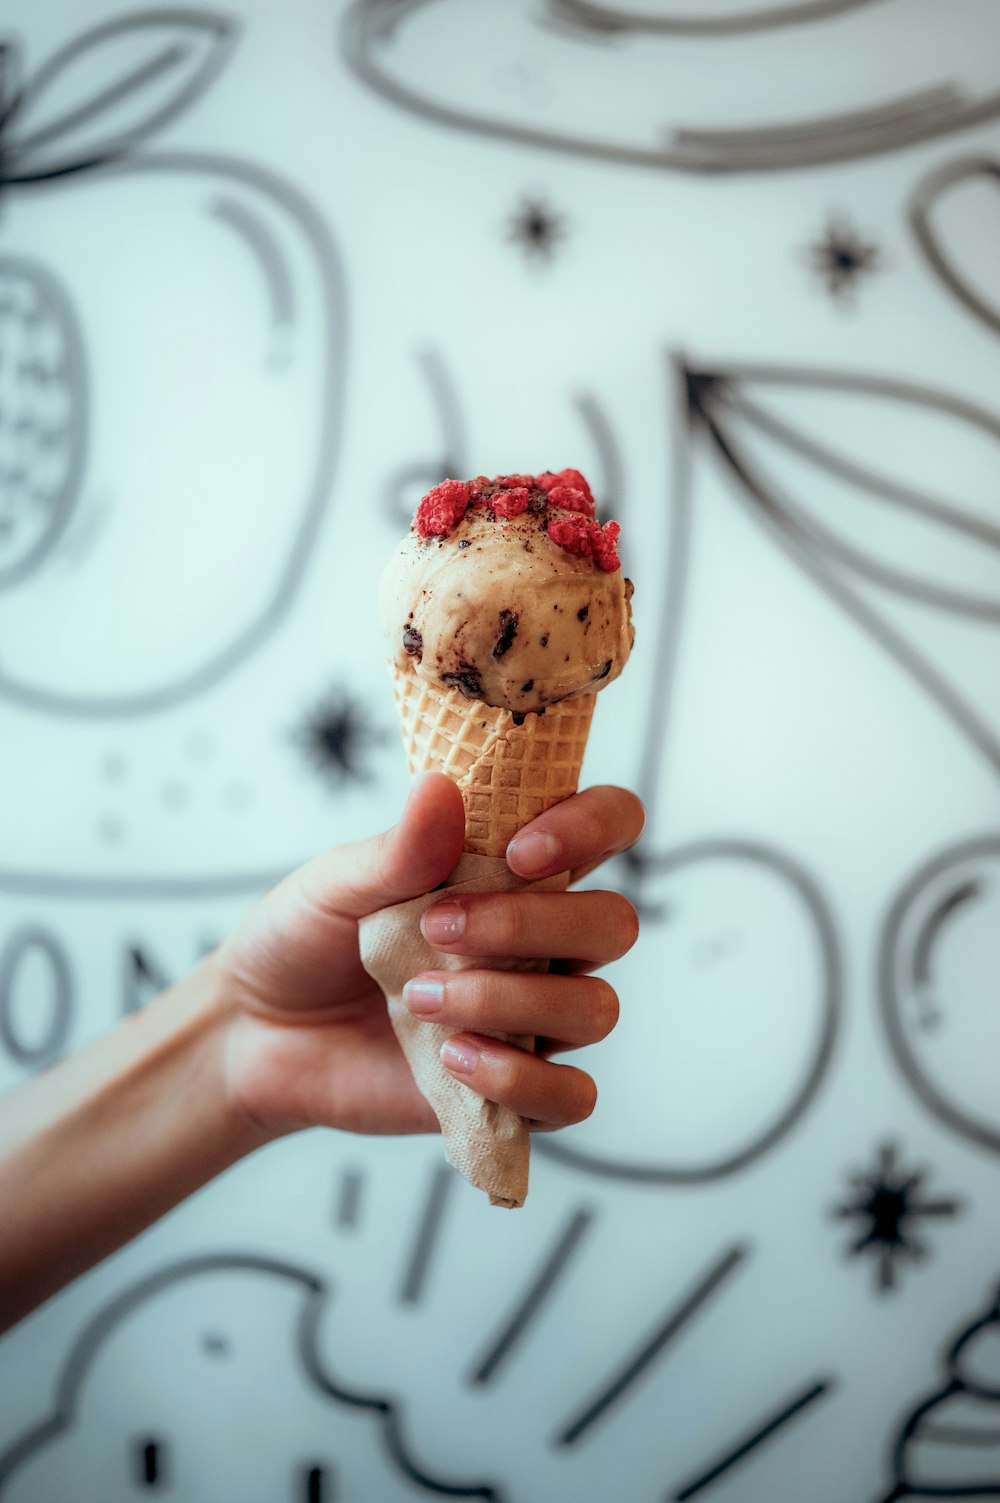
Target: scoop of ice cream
[510,591]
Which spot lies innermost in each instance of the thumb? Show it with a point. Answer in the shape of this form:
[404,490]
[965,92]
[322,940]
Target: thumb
[410,859]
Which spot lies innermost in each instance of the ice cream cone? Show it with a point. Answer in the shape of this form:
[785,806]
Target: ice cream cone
[508,773]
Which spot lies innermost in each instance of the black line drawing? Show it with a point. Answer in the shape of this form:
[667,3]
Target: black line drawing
[949,1444]
[742,1448]
[43,1049]
[44,413]
[144,886]
[928,197]
[133,75]
[940,1015]
[543,1284]
[536,228]
[406,485]
[373,42]
[675,1321]
[314,1292]
[609,491]
[719,402]
[338,739]
[888,1205]
[609,20]
[427,1234]
[663,1168]
[841,258]
[347,1209]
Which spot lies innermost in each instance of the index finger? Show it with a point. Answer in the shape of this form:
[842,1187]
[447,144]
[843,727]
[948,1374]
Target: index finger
[577,834]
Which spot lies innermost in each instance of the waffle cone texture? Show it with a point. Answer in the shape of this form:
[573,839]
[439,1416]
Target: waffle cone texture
[506,773]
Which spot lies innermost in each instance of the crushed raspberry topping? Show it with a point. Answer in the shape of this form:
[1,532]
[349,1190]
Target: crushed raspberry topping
[586,538]
[442,507]
[572,478]
[569,498]
[577,530]
[510,503]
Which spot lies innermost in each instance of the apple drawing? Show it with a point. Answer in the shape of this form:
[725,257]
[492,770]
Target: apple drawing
[172,345]
[683,87]
[939,962]
[949,209]
[743,948]
[239,1331]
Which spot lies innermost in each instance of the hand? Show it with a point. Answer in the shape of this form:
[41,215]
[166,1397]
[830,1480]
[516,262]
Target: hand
[309,1040]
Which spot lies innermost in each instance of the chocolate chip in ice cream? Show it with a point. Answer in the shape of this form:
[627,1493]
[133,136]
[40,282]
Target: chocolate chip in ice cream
[413,642]
[468,681]
[508,631]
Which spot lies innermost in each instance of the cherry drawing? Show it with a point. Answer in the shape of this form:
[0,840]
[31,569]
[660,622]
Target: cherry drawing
[938,967]
[170,378]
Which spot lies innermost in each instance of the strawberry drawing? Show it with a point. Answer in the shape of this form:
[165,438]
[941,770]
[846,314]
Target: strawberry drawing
[171,344]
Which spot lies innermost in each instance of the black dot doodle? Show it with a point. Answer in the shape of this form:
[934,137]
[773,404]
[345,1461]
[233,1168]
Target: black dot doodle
[888,1208]
[339,740]
[536,229]
[841,259]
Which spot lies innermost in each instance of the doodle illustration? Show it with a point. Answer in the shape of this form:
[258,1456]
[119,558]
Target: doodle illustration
[948,212]
[229,1315]
[218,294]
[677,1103]
[949,1444]
[841,258]
[641,95]
[940,957]
[537,228]
[852,522]
[887,1207]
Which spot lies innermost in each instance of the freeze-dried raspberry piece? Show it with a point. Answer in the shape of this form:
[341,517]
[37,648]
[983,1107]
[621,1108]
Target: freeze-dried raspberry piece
[605,547]
[573,533]
[570,499]
[514,482]
[441,508]
[510,503]
[572,478]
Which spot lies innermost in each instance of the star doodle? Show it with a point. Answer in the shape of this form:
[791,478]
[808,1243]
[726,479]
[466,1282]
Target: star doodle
[842,257]
[536,228]
[887,1205]
[338,739]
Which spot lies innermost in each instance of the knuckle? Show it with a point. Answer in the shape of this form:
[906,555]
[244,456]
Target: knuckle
[505,918]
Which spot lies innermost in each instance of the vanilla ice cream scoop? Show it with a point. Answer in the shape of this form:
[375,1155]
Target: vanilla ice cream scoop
[509,591]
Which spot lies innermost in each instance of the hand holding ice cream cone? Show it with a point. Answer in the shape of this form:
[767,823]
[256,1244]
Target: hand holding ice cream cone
[504,611]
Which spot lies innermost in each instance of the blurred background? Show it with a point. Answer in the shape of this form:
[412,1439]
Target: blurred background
[267,274]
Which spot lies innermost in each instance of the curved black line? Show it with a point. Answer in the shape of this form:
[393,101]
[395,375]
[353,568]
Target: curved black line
[219,666]
[917,107]
[800,143]
[264,246]
[78,383]
[451,464]
[22,939]
[935,922]
[926,194]
[612,488]
[878,487]
[111,95]
[222,31]
[316,1292]
[831,1003]
[601,19]
[797,543]
[890,990]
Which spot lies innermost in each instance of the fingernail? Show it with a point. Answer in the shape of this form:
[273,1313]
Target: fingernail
[536,852]
[424,996]
[445,921]
[459,1056]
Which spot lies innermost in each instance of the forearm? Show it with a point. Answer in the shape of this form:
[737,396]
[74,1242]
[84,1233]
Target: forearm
[102,1145]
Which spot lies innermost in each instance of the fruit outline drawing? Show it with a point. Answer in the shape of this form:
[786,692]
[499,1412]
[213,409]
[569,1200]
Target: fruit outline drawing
[161,485]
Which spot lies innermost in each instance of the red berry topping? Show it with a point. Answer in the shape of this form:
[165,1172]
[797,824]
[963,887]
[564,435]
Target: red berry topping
[512,482]
[570,499]
[510,503]
[572,478]
[585,538]
[441,508]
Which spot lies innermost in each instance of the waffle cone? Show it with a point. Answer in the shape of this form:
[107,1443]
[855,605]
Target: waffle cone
[507,773]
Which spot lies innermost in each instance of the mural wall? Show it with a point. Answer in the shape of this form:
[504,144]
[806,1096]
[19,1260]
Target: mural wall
[265,276]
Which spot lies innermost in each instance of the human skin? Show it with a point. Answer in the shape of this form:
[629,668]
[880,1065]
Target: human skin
[282,1029]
